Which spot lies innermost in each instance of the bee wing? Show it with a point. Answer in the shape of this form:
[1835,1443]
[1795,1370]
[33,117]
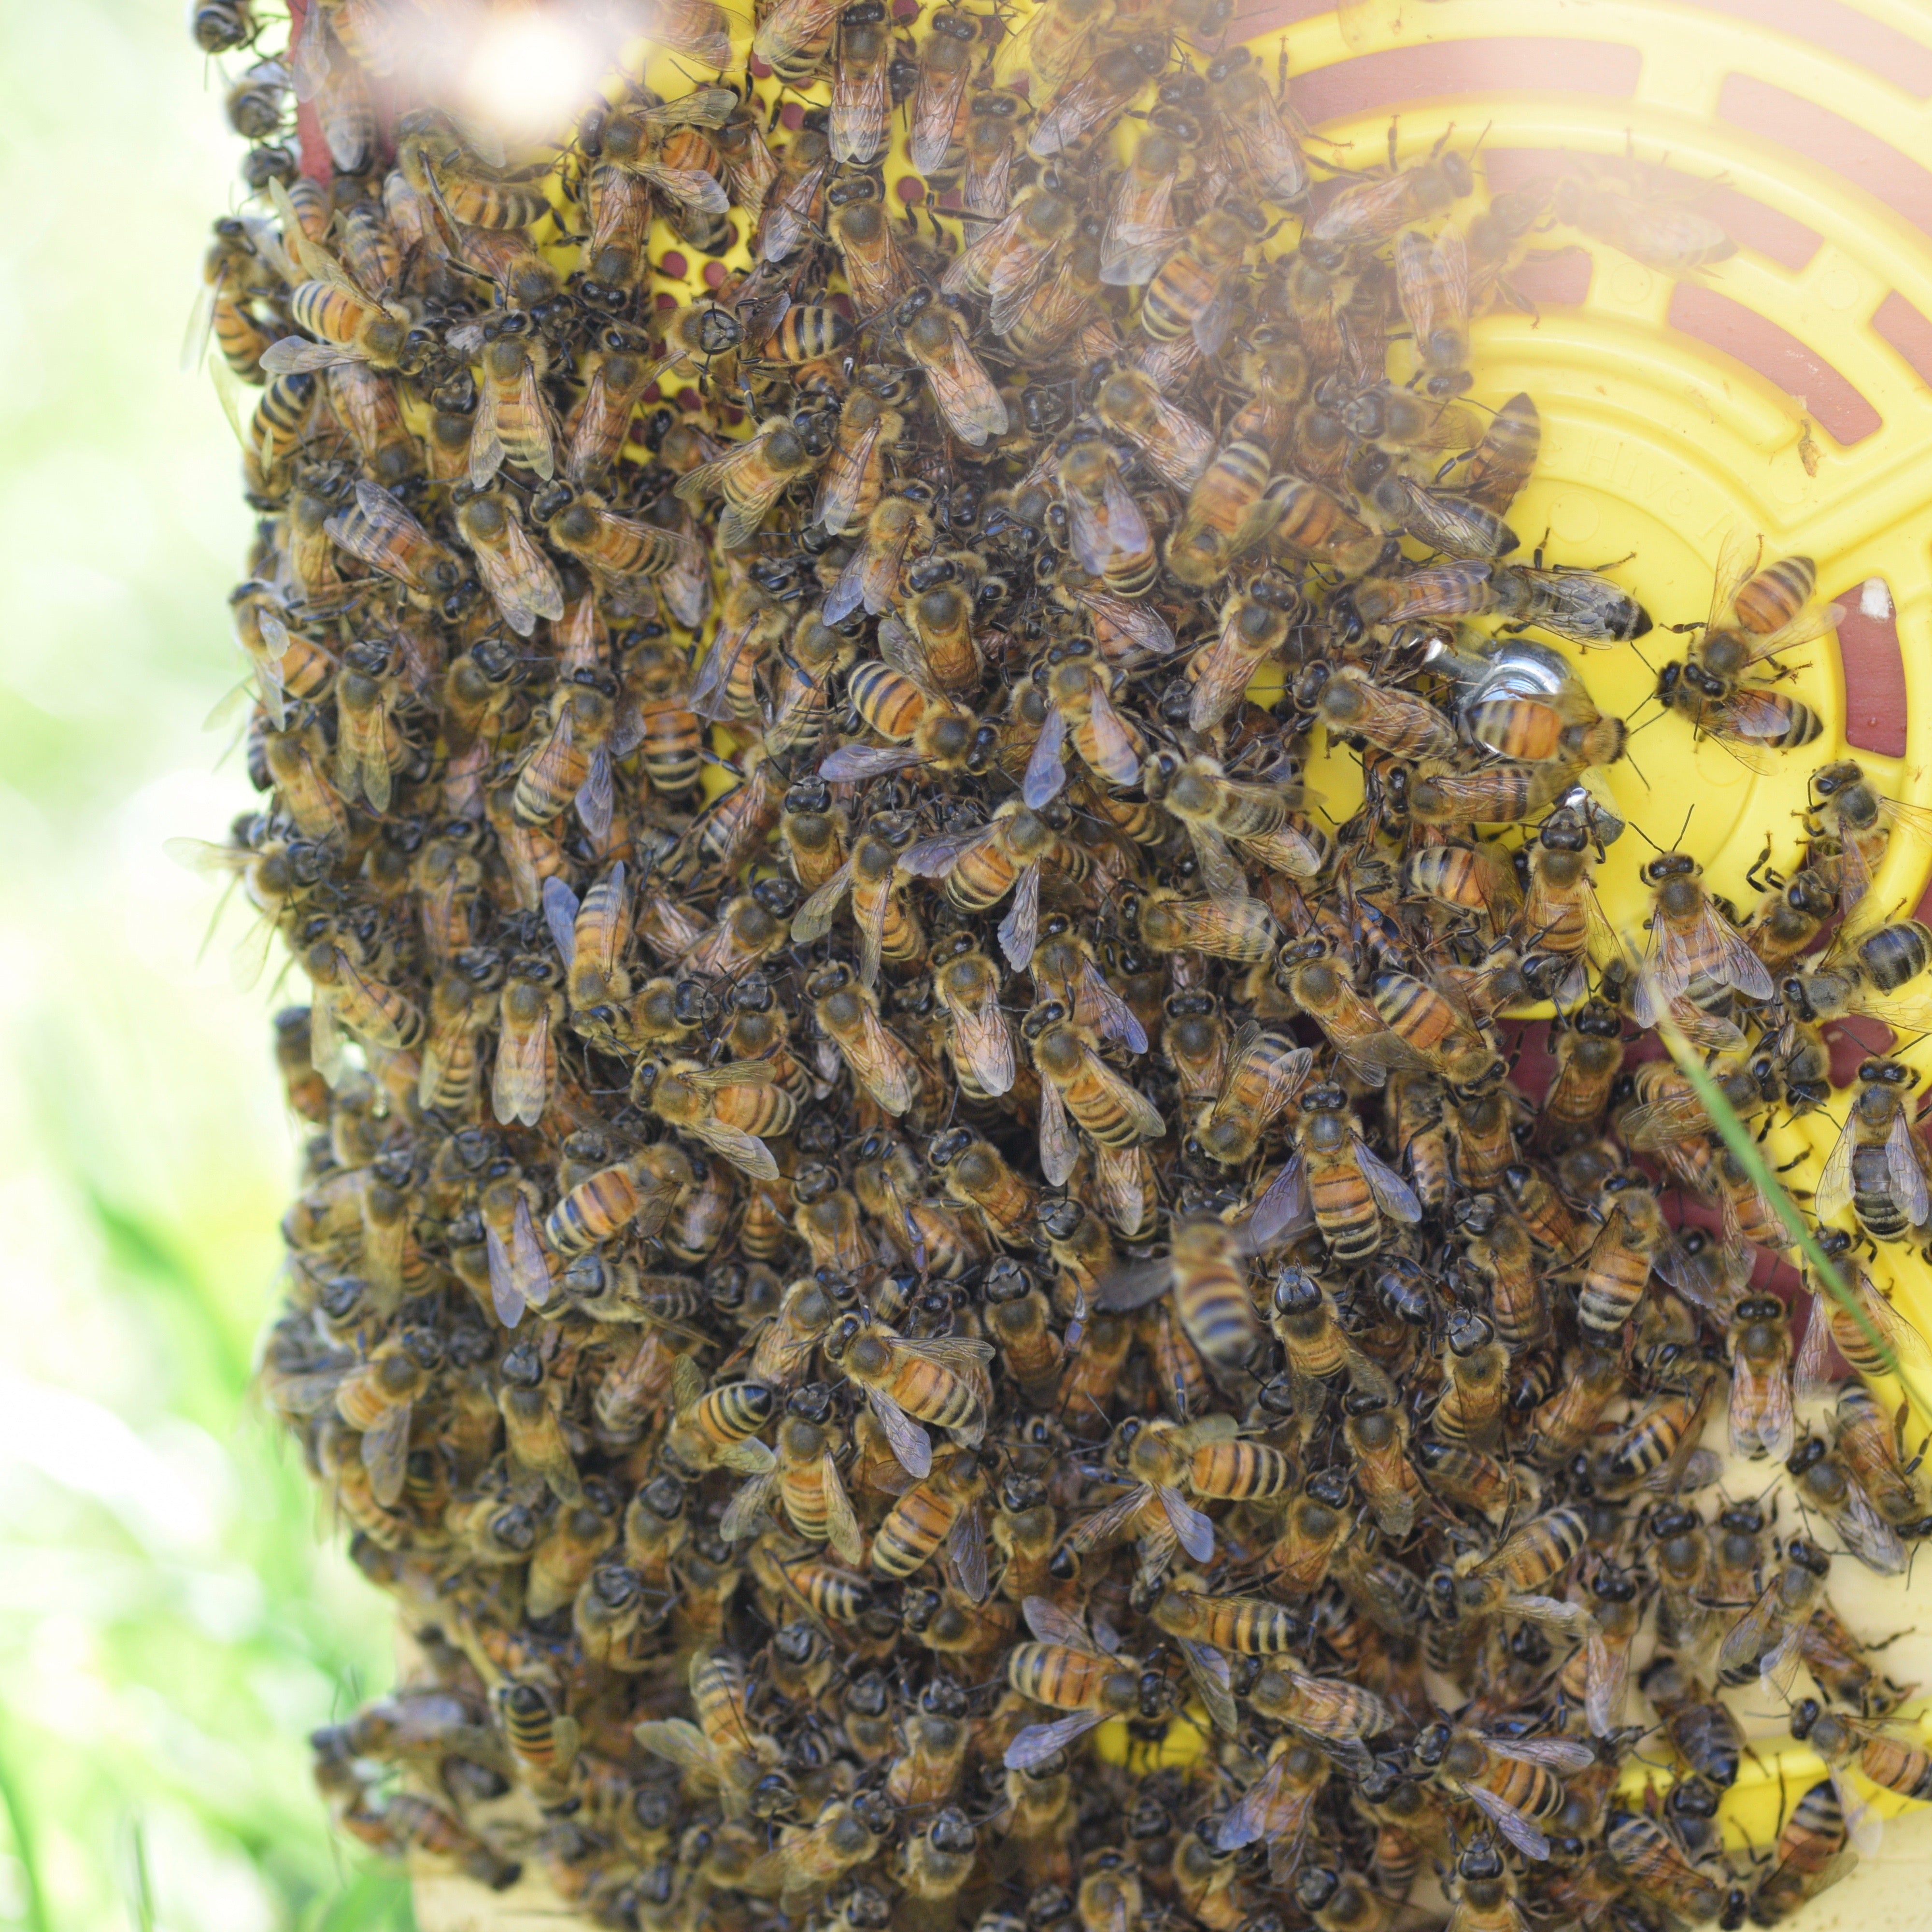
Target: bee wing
[529,1266]
[1283,1206]
[1745,1641]
[965,393]
[1807,626]
[596,797]
[677,1742]
[293,356]
[1145,1116]
[1866,1534]
[1038,1742]
[1098,530]
[1250,1819]
[1123,629]
[505,1296]
[1222,877]
[1212,1678]
[1131,251]
[1864,1827]
[1508,1820]
[840,485]
[1051,1624]
[935,858]
[385,1450]
[1092,1531]
[745,1152]
[1115,1020]
[1811,1372]
[861,105]
[888,1075]
[1737,563]
[985,1041]
[486,441]
[1903,1168]
[1134,1287]
[848,592]
[1551,1611]
[1567,1756]
[1394,1195]
[1833,1192]
[1114,751]
[935,111]
[853,764]
[1194,1531]
[559,909]
[1046,776]
[813,920]
[390,527]
[841,1525]
[1607,1684]
[519,579]
[869,910]
[693,187]
[965,1560]
[1019,931]
[908,1441]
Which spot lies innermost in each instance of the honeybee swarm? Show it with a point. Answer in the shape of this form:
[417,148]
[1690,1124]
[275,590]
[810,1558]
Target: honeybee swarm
[940,1300]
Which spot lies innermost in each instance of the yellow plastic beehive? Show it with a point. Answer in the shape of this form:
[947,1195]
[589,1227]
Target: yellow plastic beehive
[1776,392]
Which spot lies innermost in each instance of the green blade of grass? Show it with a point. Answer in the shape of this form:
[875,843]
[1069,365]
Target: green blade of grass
[21,1828]
[1750,1156]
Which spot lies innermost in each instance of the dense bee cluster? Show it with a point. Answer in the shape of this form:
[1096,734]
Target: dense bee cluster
[890,1189]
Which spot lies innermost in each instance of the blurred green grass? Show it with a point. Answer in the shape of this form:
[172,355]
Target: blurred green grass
[174,1614]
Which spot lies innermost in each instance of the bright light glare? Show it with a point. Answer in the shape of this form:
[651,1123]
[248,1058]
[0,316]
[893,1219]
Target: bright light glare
[527,73]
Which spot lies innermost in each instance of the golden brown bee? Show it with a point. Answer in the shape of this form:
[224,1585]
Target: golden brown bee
[1239,929]
[933,336]
[945,1508]
[848,1014]
[1066,1670]
[1207,1271]
[1079,1088]
[941,1380]
[1513,1782]
[750,479]
[806,1482]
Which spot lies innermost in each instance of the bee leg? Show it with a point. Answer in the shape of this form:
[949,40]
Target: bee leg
[1763,876]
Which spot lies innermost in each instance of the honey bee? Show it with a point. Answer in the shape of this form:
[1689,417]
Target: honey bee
[1337,1177]
[944,1509]
[933,336]
[941,1380]
[728,1108]
[1651,1860]
[519,577]
[380,532]
[1514,1782]
[945,70]
[1662,234]
[1191,292]
[1825,1483]
[1206,1272]
[1502,462]
[751,477]
[1077,1087]
[1067,1670]
[722,1749]
[1870,1444]
[806,1482]
[847,1013]
[1223,928]
[1875,1167]
[1812,1853]
[1765,1642]
[347,322]
[966,984]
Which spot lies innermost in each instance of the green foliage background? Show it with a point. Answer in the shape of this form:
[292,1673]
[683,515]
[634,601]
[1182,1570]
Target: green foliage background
[175,1613]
